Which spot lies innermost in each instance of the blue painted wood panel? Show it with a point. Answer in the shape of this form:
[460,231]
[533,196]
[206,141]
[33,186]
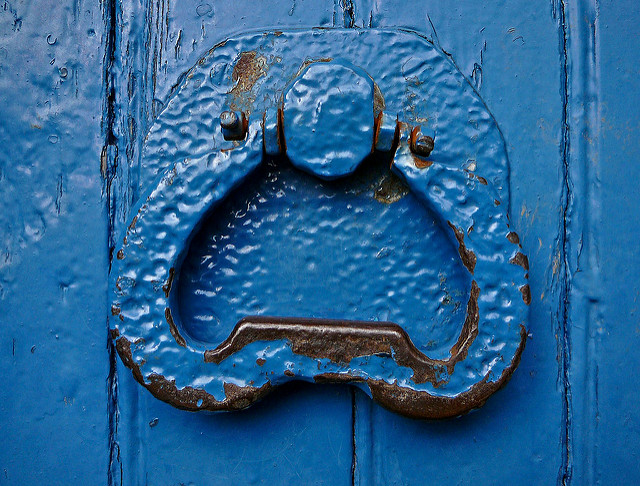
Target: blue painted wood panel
[80,86]
[53,233]
[610,186]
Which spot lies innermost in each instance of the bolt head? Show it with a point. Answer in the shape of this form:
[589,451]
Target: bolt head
[229,120]
[233,125]
[422,145]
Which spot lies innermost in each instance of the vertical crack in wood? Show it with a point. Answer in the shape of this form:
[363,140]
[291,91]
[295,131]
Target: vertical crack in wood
[354,455]
[108,166]
[566,469]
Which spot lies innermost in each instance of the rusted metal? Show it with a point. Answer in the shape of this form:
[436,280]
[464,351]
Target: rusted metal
[390,189]
[247,70]
[422,145]
[467,256]
[386,132]
[340,341]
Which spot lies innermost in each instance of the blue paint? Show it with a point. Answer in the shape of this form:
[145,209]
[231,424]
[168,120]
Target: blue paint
[328,119]
[448,106]
[464,201]
[53,293]
[145,322]
[151,250]
[53,233]
[342,227]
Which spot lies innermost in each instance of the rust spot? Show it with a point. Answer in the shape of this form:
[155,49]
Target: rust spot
[467,256]
[132,226]
[123,346]
[241,397]
[261,361]
[390,189]
[481,180]
[189,398]
[513,237]
[422,405]
[247,70]
[378,100]
[337,378]
[289,373]
[114,333]
[526,294]
[377,122]
[104,161]
[120,255]
[419,162]
[469,329]
[167,286]
[520,259]
[496,202]
[115,310]
[308,62]
[282,142]
[173,329]
[377,125]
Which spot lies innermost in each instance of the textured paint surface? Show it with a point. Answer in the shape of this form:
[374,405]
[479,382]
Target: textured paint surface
[560,77]
[328,114]
[280,209]
[146,324]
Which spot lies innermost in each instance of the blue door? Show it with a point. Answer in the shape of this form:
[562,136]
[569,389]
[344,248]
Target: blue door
[536,102]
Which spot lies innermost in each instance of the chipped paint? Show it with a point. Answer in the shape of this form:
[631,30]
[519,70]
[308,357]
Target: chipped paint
[247,70]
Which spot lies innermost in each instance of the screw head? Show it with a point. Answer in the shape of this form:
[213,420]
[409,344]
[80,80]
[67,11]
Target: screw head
[229,120]
[233,125]
[422,145]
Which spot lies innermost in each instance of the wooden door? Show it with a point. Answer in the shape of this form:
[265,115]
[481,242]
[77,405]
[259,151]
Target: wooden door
[81,84]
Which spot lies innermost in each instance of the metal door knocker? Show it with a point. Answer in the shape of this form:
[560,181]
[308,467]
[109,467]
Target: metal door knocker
[257,94]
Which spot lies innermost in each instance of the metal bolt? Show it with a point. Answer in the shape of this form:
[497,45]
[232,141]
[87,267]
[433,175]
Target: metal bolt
[422,145]
[229,120]
[271,131]
[385,131]
[232,124]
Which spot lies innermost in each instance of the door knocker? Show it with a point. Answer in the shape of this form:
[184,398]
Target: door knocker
[257,95]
